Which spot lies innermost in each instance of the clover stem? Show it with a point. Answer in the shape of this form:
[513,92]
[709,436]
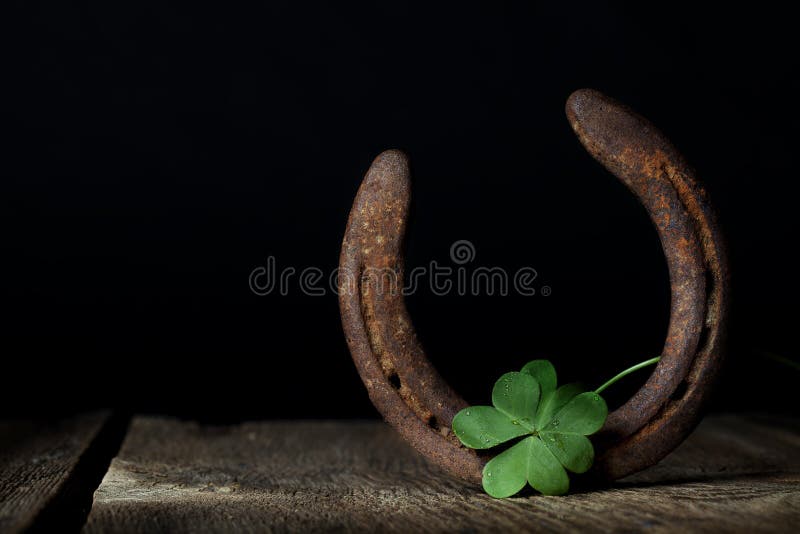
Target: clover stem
[781,359]
[628,371]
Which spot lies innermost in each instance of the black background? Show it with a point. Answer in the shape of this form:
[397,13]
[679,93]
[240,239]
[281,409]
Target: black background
[154,155]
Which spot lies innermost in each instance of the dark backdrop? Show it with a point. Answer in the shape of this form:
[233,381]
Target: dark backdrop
[154,155]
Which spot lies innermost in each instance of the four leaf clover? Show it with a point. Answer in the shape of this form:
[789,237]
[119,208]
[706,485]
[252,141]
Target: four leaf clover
[552,422]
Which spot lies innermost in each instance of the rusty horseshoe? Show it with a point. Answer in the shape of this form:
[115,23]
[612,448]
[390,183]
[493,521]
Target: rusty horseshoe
[415,399]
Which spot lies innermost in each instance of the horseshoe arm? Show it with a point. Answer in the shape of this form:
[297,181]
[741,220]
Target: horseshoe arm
[668,407]
[401,382]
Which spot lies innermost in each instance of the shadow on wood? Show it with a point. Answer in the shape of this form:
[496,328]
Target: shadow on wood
[48,470]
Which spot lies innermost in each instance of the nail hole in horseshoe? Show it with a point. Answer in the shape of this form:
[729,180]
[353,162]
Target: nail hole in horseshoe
[702,341]
[710,281]
[433,423]
[394,380]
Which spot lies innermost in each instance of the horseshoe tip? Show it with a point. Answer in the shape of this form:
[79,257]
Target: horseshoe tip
[582,94]
[392,159]
[389,170]
[393,153]
[589,105]
[608,128]
[580,101]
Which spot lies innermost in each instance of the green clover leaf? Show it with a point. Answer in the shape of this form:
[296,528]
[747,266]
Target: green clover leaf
[515,397]
[553,423]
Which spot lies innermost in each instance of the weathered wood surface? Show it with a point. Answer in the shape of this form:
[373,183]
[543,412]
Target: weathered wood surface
[734,474]
[38,462]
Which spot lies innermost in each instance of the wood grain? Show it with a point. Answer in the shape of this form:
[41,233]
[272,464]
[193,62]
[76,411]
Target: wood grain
[38,462]
[734,474]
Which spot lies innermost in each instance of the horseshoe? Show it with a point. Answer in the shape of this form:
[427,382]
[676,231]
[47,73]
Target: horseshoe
[416,400]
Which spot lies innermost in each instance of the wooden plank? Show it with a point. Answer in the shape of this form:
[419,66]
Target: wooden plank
[39,462]
[734,474]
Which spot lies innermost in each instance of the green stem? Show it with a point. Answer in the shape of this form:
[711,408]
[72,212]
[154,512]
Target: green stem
[781,359]
[628,371]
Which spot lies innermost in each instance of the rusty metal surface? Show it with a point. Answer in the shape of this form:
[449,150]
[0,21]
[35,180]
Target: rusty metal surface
[401,382]
[663,412]
[413,397]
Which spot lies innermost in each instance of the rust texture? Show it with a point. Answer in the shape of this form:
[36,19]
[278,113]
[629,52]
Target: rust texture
[414,398]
